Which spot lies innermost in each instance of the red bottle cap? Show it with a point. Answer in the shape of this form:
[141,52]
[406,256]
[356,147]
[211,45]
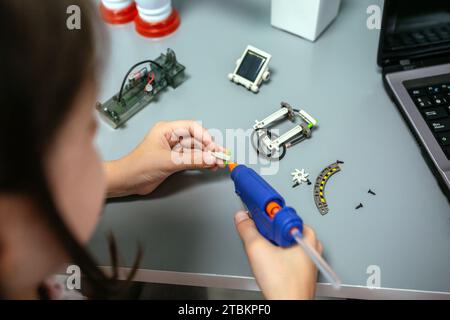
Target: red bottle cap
[157,29]
[121,16]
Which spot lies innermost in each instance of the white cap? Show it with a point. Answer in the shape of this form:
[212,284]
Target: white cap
[153,11]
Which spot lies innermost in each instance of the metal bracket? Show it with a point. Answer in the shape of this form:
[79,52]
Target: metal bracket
[291,137]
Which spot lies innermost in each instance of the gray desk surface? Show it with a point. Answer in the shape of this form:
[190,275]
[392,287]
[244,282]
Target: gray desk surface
[187,227]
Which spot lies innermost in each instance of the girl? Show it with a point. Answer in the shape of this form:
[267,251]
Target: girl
[52,182]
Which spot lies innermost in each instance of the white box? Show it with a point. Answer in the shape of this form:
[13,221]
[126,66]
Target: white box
[305,18]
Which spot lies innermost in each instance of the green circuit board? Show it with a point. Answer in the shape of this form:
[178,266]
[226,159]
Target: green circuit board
[134,96]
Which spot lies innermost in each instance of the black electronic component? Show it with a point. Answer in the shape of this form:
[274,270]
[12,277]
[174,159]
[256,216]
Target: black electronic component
[138,89]
[319,187]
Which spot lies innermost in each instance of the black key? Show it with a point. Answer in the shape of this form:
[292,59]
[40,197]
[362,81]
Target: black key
[417,36]
[434,89]
[423,102]
[447,152]
[444,139]
[417,92]
[440,125]
[394,42]
[435,113]
[433,39]
[438,99]
[406,39]
[444,35]
[398,47]
[429,33]
[420,42]
[445,88]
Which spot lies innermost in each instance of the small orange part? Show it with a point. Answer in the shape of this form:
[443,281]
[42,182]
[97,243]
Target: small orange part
[232,165]
[158,29]
[272,209]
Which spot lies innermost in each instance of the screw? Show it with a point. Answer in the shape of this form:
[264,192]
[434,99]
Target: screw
[371,192]
[340,162]
[359,206]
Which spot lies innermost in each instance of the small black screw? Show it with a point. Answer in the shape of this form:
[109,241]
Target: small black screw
[371,192]
[340,162]
[359,206]
[296,185]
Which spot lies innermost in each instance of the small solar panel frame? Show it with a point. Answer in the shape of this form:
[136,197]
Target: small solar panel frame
[251,79]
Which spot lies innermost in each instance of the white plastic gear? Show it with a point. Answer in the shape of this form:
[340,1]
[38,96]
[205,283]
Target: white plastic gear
[300,176]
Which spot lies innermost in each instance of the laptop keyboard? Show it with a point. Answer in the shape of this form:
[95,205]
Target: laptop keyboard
[433,103]
[436,35]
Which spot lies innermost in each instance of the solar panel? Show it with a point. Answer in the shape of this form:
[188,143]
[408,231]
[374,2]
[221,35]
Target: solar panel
[251,66]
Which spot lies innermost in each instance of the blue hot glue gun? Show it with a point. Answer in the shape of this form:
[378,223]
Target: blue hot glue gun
[277,222]
[274,220]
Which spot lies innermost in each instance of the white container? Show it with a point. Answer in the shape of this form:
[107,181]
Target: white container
[305,18]
[117,4]
[153,11]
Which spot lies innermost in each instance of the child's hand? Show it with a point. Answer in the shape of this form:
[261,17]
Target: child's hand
[281,273]
[168,147]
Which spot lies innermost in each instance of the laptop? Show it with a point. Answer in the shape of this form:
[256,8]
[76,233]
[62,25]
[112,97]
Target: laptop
[414,55]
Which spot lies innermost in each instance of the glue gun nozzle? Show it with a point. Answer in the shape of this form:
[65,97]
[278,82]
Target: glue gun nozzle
[232,165]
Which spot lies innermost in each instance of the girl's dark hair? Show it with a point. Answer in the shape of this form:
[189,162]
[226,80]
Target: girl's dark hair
[43,65]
